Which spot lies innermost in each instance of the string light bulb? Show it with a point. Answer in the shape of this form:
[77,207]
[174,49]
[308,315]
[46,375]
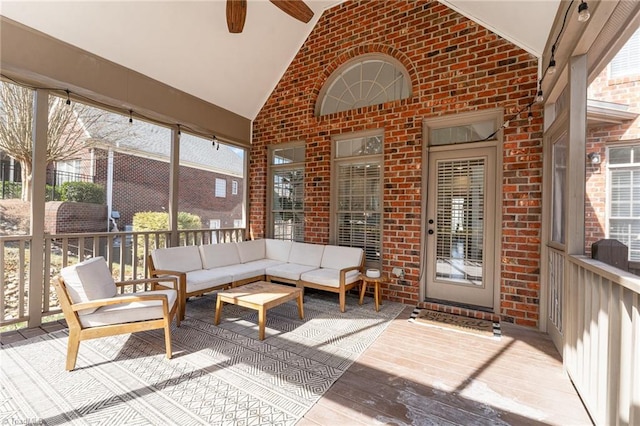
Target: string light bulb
[552,63]
[583,12]
[214,139]
[68,98]
[530,115]
[179,132]
[130,116]
[540,96]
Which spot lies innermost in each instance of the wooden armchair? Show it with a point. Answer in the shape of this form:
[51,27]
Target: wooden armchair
[93,308]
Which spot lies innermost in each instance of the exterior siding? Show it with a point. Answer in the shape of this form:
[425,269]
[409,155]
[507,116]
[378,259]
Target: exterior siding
[455,65]
[142,184]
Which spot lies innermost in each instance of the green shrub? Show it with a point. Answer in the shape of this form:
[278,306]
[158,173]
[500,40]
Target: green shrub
[10,189]
[53,193]
[159,221]
[82,192]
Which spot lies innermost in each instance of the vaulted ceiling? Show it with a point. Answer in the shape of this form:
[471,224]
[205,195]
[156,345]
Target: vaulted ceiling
[186,44]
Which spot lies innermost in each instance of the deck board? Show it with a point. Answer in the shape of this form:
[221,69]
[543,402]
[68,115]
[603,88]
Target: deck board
[415,374]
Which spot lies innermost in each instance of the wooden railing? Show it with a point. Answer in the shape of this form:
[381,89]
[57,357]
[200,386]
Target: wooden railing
[602,339]
[125,252]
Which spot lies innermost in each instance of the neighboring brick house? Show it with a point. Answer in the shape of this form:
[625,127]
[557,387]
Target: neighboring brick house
[454,66]
[612,207]
[211,183]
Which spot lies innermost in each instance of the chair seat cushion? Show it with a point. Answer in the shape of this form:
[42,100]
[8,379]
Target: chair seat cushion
[129,312]
[329,277]
[289,271]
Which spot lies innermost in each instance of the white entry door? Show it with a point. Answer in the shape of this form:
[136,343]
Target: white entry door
[460,226]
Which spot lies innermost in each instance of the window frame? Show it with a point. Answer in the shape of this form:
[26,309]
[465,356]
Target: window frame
[334,207]
[340,71]
[272,169]
[635,166]
[218,184]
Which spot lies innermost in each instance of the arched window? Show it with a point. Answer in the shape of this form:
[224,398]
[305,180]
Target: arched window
[366,80]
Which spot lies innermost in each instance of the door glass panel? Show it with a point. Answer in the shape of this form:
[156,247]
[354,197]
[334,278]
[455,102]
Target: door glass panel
[459,221]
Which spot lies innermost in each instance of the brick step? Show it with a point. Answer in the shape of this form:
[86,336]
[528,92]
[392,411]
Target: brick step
[459,309]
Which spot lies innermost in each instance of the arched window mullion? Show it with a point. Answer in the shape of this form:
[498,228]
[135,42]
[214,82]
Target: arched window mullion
[350,80]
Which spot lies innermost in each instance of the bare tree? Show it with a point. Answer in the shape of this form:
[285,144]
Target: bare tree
[67,134]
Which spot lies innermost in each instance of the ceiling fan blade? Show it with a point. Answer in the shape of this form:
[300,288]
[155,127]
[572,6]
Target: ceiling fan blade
[295,8]
[236,14]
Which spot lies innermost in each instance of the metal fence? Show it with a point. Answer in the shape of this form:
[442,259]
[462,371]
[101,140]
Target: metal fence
[11,185]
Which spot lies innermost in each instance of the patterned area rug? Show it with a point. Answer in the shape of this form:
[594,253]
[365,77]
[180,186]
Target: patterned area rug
[218,375]
[456,322]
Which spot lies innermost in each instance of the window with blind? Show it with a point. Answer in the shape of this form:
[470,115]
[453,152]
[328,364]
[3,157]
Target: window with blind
[287,192]
[624,197]
[627,60]
[357,195]
[460,219]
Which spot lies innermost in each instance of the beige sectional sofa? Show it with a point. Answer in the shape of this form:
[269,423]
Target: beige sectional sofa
[205,268]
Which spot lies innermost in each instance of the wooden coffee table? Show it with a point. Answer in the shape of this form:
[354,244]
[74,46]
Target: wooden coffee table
[260,296]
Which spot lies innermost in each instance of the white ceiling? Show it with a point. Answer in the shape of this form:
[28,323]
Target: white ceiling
[186,44]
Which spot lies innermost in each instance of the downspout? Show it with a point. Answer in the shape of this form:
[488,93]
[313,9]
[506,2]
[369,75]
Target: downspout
[109,186]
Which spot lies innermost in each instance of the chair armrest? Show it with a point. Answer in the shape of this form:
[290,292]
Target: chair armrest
[343,273]
[182,279]
[157,272]
[97,303]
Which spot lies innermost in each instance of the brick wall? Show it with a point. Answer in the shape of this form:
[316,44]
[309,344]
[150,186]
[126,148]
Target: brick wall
[619,90]
[455,66]
[142,184]
[62,217]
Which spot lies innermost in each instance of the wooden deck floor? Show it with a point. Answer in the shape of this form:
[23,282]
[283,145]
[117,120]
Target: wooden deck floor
[419,375]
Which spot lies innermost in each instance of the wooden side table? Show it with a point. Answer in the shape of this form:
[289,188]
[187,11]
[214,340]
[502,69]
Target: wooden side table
[377,297]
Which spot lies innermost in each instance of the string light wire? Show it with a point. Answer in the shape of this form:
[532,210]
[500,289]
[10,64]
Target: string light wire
[103,105]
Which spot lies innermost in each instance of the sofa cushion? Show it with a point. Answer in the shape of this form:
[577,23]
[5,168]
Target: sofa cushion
[251,250]
[217,255]
[289,271]
[181,259]
[306,254]
[329,277]
[278,249]
[338,257]
[243,271]
[207,278]
[89,280]
[129,312]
